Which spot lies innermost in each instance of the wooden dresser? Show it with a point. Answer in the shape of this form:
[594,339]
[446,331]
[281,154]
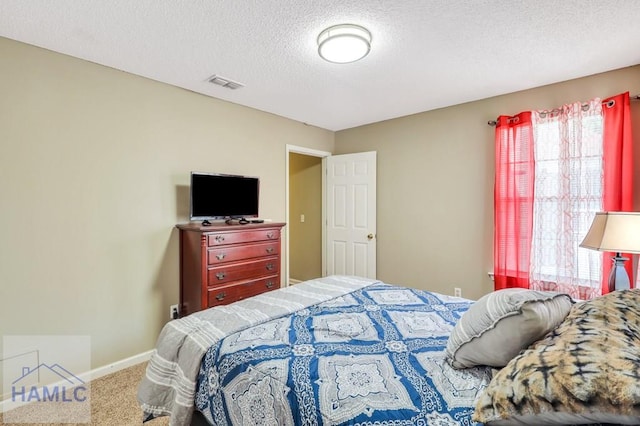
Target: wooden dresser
[220,264]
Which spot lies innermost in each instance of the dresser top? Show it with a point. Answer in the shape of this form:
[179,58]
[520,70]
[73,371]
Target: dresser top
[221,226]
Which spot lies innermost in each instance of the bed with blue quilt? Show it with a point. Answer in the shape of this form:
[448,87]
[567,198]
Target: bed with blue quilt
[352,351]
[331,351]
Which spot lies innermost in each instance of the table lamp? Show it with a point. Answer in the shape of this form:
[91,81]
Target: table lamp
[617,232]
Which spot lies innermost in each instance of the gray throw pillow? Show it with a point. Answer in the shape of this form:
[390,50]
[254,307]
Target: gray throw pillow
[501,324]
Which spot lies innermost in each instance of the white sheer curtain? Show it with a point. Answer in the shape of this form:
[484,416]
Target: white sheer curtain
[568,190]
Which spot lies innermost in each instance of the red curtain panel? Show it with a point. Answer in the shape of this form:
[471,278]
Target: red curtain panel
[618,167]
[513,200]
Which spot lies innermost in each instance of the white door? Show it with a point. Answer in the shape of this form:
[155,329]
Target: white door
[351,214]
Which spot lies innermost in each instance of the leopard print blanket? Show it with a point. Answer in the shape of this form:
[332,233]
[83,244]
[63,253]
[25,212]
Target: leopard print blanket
[590,364]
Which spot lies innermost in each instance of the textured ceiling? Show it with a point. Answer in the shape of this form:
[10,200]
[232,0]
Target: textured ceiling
[425,54]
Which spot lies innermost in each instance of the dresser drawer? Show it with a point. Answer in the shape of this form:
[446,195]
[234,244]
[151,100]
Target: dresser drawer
[225,254]
[244,270]
[226,294]
[236,237]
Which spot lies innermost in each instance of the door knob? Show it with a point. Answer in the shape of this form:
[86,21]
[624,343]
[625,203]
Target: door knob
[370,237]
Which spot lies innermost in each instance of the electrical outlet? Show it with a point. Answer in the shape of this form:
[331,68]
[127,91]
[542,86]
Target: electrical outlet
[457,292]
[173,312]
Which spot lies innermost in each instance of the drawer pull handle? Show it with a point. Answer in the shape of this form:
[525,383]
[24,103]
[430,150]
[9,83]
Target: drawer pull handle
[269,284]
[269,249]
[219,238]
[220,275]
[270,235]
[220,256]
[221,296]
[270,266]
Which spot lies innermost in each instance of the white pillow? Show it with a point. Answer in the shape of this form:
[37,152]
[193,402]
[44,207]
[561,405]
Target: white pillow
[501,324]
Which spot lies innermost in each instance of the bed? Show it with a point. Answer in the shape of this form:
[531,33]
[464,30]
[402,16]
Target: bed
[336,350]
[348,350]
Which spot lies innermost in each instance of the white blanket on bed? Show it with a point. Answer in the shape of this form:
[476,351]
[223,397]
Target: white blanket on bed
[169,385]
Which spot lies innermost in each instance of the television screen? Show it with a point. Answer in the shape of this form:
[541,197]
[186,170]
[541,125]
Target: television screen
[219,196]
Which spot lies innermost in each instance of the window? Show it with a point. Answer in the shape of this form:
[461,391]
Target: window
[554,171]
[568,191]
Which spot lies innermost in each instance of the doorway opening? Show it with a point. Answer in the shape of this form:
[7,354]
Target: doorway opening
[305,214]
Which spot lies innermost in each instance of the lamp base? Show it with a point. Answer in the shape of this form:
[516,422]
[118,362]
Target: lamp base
[618,279]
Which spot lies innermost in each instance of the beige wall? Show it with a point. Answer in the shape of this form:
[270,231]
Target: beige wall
[305,198]
[435,182]
[94,166]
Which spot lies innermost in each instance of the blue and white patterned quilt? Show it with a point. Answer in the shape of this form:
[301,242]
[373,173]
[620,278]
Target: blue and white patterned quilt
[372,357]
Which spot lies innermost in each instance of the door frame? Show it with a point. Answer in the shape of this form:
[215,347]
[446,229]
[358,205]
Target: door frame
[313,153]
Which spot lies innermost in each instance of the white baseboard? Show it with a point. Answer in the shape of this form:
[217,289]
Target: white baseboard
[96,373]
[116,366]
[293,281]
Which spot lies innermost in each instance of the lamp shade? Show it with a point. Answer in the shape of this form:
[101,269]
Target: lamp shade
[615,232]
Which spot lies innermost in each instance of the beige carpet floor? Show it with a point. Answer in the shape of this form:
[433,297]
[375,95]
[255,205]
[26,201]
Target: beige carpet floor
[113,401]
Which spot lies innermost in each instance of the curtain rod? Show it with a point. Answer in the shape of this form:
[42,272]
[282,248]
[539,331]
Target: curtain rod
[495,122]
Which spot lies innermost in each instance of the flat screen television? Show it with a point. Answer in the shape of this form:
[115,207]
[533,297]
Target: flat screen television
[220,196]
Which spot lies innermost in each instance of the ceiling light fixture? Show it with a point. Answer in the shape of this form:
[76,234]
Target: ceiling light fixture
[344,43]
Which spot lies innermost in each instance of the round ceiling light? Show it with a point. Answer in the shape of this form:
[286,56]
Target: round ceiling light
[344,43]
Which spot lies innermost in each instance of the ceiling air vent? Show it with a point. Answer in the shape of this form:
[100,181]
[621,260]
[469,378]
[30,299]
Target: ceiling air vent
[224,82]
